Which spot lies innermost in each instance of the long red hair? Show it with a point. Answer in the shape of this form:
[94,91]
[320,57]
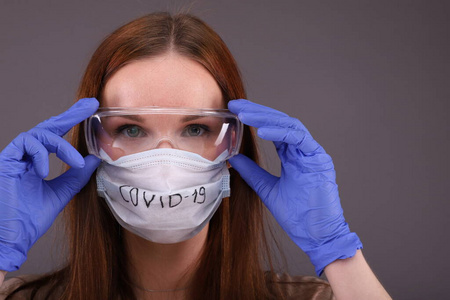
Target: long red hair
[231,263]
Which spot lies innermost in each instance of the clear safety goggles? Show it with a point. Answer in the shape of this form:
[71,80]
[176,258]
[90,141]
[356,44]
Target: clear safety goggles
[118,131]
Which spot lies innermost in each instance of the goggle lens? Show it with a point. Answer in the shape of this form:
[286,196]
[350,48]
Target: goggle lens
[118,132]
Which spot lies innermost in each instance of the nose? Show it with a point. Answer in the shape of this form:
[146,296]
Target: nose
[165,143]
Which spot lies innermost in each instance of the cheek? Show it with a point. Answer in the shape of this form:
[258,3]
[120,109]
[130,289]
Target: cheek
[113,152]
[221,148]
[209,153]
[214,152]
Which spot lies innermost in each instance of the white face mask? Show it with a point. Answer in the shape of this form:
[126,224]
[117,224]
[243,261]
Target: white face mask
[163,195]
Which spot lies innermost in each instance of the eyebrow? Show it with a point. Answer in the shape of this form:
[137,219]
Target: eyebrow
[136,118]
[191,118]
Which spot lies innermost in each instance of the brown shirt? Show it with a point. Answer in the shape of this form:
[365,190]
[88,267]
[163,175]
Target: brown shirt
[303,287]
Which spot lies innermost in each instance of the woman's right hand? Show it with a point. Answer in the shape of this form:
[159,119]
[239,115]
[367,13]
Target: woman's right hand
[28,203]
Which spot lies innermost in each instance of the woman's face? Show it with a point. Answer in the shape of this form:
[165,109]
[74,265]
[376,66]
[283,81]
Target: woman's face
[169,80]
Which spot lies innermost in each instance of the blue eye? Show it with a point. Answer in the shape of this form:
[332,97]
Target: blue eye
[131,131]
[195,130]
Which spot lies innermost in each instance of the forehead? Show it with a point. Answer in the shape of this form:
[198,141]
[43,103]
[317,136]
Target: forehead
[169,80]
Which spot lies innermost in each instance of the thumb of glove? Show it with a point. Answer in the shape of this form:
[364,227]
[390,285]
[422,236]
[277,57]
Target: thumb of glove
[261,181]
[73,180]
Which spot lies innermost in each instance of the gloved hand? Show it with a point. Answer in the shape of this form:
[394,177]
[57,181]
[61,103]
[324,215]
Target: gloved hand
[304,199]
[28,203]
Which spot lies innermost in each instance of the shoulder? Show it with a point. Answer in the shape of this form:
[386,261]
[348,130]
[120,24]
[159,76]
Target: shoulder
[300,287]
[11,284]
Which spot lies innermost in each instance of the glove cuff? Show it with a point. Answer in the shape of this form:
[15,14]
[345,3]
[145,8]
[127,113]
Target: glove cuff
[10,259]
[340,248]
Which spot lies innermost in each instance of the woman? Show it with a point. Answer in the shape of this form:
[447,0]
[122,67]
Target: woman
[174,62]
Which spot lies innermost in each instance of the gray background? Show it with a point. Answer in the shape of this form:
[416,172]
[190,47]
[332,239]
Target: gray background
[370,80]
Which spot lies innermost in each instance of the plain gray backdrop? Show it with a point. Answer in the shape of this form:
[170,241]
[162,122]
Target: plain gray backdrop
[369,79]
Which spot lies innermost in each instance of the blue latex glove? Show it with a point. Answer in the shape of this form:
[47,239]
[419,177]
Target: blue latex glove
[28,203]
[304,199]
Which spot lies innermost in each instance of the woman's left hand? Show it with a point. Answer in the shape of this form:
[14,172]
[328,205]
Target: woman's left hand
[304,199]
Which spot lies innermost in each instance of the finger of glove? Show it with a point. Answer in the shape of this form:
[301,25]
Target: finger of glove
[62,148]
[62,123]
[261,181]
[23,146]
[73,180]
[260,120]
[302,140]
[245,106]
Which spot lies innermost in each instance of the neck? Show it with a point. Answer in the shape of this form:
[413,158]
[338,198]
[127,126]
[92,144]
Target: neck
[162,267]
